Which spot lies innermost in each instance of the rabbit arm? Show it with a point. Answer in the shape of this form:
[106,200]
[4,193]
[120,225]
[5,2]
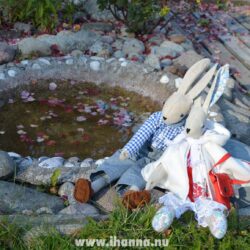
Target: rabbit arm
[216,133]
[143,134]
[234,167]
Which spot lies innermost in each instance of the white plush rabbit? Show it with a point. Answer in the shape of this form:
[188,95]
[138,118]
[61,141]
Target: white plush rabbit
[197,150]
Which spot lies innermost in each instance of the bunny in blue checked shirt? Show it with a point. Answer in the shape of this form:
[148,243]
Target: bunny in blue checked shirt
[148,143]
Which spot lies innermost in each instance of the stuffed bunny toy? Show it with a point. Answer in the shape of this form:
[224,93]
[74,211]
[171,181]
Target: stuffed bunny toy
[148,143]
[184,168]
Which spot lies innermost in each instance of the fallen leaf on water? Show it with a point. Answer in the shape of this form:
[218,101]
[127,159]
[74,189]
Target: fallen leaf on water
[50,143]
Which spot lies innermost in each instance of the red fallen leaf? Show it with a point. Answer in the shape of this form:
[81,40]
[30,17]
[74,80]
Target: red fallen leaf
[86,137]
[134,59]
[50,143]
[75,142]
[59,154]
[167,57]
[55,51]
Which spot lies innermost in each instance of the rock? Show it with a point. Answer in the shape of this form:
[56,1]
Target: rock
[36,66]
[69,61]
[7,53]
[95,65]
[230,83]
[7,165]
[188,58]
[136,57]
[162,52]
[2,76]
[91,7]
[42,176]
[79,17]
[132,45]
[237,120]
[164,79]
[173,47]
[31,45]
[44,61]
[177,38]
[54,162]
[43,210]
[166,63]
[105,27]
[99,46]
[66,41]
[107,39]
[178,70]
[125,33]
[117,44]
[157,39]
[228,94]
[52,86]
[119,54]
[16,198]
[87,163]
[67,190]
[153,61]
[80,209]
[12,73]
[22,27]
[76,53]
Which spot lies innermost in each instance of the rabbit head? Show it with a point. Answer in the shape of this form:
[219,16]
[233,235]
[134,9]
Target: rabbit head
[196,119]
[179,103]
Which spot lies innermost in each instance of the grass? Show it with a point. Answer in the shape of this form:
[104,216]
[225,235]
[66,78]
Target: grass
[184,233]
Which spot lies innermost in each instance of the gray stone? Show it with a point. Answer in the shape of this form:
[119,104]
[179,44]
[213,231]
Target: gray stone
[119,54]
[7,53]
[44,61]
[157,39]
[7,165]
[237,120]
[118,44]
[166,63]
[44,210]
[2,76]
[178,49]
[238,149]
[105,27]
[153,61]
[66,41]
[76,53]
[133,45]
[31,45]
[69,61]
[228,94]
[36,66]
[80,209]
[188,58]
[107,39]
[91,7]
[22,27]
[101,49]
[67,189]
[162,51]
[42,176]
[16,198]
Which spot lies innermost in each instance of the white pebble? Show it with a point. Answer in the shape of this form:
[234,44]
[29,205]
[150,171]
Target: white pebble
[69,61]
[52,86]
[45,61]
[12,73]
[164,79]
[24,62]
[122,59]
[95,65]
[124,64]
[178,82]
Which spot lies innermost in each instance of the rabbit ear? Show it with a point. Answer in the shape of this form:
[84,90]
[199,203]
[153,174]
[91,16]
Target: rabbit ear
[198,102]
[202,83]
[217,88]
[192,74]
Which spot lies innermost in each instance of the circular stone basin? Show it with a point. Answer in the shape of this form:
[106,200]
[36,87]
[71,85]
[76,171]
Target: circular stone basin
[67,119]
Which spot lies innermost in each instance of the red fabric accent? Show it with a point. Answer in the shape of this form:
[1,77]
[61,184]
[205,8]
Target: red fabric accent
[190,178]
[223,159]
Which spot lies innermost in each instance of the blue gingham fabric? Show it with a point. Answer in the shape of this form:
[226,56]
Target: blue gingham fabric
[156,131]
